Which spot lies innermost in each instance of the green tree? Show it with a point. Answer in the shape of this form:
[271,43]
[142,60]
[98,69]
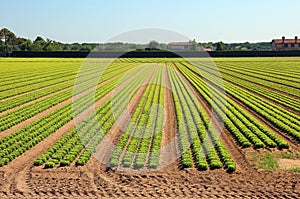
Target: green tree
[193,44]
[220,46]
[153,44]
[9,39]
[38,44]
[52,46]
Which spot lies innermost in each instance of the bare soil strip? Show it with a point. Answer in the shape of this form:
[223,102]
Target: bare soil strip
[169,144]
[94,181]
[289,163]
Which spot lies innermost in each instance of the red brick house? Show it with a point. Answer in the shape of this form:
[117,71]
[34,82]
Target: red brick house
[285,44]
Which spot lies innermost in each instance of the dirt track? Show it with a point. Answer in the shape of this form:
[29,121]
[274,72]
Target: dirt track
[93,181]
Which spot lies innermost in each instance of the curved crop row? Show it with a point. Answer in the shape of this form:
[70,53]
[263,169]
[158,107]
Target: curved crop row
[243,126]
[258,89]
[279,117]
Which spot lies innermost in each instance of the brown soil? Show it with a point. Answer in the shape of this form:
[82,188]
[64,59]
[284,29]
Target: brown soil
[94,181]
[169,144]
[289,163]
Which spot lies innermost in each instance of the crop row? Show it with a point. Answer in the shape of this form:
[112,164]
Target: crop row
[258,89]
[279,117]
[262,78]
[285,100]
[19,72]
[277,71]
[16,116]
[83,78]
[244,127]
[21,140]
[151,143]
[199,142]
[135,143]
[87,134]
[293,119]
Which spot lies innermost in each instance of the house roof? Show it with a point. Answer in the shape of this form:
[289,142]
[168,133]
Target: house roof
[286,41]
[179,44]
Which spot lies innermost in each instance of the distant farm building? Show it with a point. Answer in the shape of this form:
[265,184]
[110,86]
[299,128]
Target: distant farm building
[211,48]
[285,44]
[179,45]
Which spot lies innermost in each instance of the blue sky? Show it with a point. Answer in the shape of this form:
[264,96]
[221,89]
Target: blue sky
[99,20]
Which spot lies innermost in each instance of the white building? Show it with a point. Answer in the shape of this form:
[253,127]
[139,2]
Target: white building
[179,45]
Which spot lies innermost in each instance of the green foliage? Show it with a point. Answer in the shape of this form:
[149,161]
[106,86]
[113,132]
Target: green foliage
[220,46]
[267,162]
[243,126]
[295,170]
[49,165]
[21,140]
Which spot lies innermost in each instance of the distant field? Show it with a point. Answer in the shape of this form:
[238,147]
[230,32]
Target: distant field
[185,113]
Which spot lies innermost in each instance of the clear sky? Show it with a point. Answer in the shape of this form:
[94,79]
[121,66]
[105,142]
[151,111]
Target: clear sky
[204,20]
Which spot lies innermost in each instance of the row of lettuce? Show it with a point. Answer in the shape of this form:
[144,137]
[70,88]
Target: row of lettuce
[200,143]
[16,143]
[140,144]
[281,91]
[256,134]
[78,145]
[83,84]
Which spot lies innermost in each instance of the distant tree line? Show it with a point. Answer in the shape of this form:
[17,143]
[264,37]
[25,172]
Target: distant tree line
[10,42]
[246,46]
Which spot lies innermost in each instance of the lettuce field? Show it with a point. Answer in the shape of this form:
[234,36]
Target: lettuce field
[145,116]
